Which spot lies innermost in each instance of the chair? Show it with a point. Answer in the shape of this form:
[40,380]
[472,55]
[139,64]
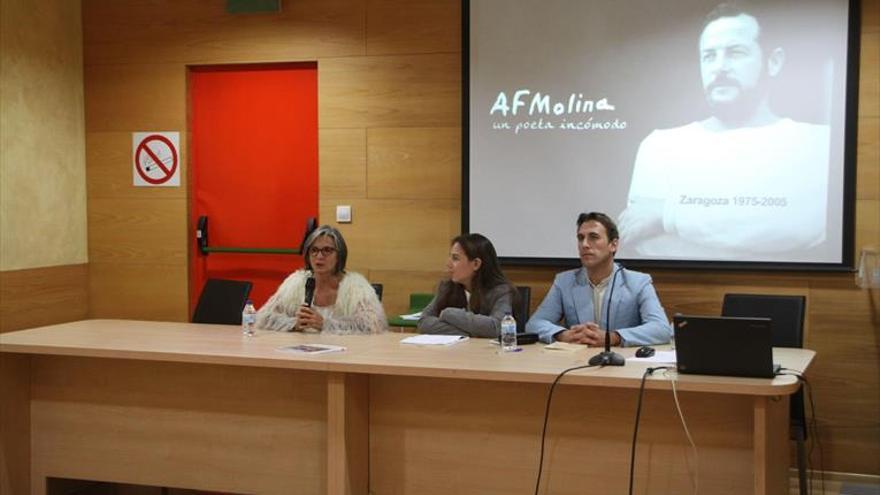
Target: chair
[222,301]
[521,307]
[417,302]
[378,288]
[787,315]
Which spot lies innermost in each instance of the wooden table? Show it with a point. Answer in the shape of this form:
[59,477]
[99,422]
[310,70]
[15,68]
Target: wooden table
[200,406]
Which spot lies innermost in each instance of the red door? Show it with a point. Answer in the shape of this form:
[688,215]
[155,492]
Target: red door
[254,169]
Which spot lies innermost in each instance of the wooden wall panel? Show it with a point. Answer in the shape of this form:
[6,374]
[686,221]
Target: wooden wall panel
[867,224]
[845,320]
[414,163]
[135,97]
[384,233]
[145,31]
[138,291]
[869,73]
[43,296]
[413,26]
[110,172]
[343,163]
[868,180]
[15,415]
[138,231]
[870,16]
[394,91]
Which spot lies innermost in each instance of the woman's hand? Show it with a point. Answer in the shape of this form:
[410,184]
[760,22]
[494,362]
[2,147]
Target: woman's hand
[307,317]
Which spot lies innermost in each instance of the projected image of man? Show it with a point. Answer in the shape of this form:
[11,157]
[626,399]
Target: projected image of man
[744,183]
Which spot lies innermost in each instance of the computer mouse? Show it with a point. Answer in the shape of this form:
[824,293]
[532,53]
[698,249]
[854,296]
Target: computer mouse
[644,352]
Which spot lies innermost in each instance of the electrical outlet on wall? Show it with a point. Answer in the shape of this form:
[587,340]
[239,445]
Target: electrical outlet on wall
[343,213]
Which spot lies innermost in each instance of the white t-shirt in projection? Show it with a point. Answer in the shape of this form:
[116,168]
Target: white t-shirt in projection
[756,193]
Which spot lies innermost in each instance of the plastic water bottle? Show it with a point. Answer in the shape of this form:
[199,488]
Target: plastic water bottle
[508,333]
[248,319]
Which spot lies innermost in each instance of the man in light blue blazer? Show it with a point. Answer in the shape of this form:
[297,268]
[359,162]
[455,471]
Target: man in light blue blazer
[601,296]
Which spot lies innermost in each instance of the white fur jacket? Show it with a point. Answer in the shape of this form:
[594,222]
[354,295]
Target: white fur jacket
[357,309]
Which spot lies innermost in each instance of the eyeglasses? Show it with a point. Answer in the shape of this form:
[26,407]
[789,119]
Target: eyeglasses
[326,251]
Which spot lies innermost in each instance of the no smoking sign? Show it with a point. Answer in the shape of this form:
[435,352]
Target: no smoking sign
[156,158]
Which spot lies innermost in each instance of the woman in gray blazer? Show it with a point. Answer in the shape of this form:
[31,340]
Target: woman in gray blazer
[476,296]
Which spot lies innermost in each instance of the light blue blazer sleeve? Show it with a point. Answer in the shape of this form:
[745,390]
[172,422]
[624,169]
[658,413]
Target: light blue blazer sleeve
[545,320]
[637,314]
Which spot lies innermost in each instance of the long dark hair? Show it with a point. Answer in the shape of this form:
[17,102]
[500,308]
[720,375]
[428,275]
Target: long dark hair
[486,278]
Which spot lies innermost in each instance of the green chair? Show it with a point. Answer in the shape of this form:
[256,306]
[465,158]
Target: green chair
[417,302]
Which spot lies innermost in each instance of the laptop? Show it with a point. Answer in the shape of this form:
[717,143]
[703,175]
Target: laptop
[724,345]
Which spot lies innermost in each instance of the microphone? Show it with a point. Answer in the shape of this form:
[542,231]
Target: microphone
[607,357]
[310,291]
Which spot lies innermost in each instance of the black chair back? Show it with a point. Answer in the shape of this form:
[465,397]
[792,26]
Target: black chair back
[787,315]
[521,307]
[378,289]
[222,301]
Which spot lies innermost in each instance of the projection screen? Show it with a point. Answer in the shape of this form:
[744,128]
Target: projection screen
[714,136]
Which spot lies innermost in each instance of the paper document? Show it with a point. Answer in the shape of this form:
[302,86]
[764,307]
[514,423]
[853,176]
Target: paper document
[564,346]
[658,357]
[414,316]
[434,339]
[310,349]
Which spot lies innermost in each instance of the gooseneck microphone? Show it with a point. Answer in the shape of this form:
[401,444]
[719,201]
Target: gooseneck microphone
[310,291]
[608,358]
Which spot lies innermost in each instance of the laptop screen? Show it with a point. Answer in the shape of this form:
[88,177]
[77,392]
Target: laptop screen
[723,345]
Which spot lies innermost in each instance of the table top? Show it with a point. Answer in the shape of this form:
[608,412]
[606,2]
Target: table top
[474,359]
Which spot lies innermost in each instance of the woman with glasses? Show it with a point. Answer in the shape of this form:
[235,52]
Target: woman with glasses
[475,297]
[343,302]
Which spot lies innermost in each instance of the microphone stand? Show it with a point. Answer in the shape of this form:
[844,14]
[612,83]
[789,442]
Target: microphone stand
[608,357]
